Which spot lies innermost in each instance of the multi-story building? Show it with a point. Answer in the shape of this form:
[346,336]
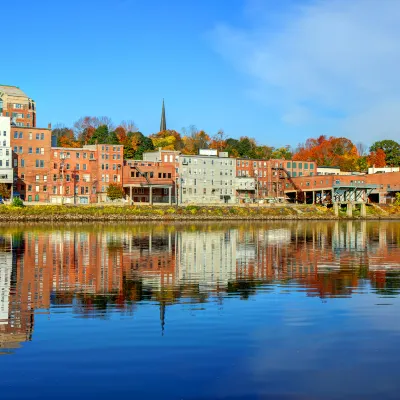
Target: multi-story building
[6,169]
[73,175]
[270,177]
[14,103]
[149,182]
[31,162]
[207,178]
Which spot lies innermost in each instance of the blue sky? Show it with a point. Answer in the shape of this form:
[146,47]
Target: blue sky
[279,71]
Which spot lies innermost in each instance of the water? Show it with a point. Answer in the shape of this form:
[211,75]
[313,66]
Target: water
[298,310]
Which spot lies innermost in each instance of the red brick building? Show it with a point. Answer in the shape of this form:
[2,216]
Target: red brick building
[271,176]
[31,162]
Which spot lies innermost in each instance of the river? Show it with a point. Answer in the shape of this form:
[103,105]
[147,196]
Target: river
[273,310]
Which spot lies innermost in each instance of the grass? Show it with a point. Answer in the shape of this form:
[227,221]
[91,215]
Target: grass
[58,212]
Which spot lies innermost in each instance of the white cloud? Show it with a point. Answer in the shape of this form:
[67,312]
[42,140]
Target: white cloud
[332,59]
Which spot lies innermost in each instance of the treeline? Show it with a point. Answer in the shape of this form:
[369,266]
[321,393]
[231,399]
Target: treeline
[327,151]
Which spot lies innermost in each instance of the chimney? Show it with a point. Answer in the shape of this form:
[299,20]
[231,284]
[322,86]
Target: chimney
[49,125]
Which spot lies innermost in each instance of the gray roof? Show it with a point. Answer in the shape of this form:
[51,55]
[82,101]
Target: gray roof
[12,90]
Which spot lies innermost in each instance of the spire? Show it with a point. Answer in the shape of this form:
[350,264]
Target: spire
[163,124]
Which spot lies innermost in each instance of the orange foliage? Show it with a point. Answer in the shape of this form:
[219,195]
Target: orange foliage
[377,158]
[330,151]
[64,141]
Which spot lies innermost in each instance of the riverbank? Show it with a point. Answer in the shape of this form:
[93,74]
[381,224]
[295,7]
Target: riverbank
[54,213]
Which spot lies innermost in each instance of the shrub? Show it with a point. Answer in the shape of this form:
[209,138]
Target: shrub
[397,200]
[17,202]
[115,191]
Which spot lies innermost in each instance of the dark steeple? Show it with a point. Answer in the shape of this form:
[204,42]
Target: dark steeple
[163,124]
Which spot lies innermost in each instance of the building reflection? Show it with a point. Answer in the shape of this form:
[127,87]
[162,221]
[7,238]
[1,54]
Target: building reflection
[102,269]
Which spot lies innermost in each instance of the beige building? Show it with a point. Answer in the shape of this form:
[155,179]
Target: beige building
[14,103]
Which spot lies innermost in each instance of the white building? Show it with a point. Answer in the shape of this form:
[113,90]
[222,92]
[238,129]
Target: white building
[383,170]
[208,178]
[6,169]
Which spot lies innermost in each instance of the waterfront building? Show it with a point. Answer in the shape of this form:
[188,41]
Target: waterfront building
[207,178]
[6,167]
[14,103]
[149,182]
[270,177]
[31,162]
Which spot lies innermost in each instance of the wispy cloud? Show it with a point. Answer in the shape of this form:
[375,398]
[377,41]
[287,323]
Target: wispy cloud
[333,59]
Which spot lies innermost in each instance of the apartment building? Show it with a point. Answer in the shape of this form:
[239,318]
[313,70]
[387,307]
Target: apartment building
[14,103]
[6,169]
[270,177]
[31,162]
[207,178]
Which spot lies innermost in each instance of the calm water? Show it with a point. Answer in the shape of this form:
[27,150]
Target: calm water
[214,311]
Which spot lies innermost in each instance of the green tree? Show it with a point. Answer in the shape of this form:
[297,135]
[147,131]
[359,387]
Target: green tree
[115,191]
[100,135]
[391,149]
[282,153]
[362,163]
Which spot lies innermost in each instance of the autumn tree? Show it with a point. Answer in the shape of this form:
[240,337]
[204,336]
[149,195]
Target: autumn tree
[167,140]
[5,191]
[391,150]
[218,141]
[332,151]
[194,140]
[377,158]
[136,144]
[115,191]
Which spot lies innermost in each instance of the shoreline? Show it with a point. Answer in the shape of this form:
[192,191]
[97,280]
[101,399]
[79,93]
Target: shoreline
[191,213]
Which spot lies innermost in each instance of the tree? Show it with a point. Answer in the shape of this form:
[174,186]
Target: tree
[167,140]
[194,140]
[115,191]
[218,141]
[331,151]
[5,192]
[391,150]
[377,159]
[129,126]
[362,164]
[284,153]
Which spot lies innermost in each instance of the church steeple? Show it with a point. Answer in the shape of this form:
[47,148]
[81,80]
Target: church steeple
[163,124]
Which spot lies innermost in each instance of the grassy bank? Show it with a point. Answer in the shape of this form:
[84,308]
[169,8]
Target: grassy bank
[192,213]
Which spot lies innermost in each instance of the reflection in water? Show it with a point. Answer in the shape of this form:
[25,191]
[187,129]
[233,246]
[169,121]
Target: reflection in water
[95,269]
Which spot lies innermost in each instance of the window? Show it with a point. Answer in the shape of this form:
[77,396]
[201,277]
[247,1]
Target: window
[37,188]
[300,165]
[78,155]
[84,167]
[44,188]
[42,150]
[20,136]
[45,178]
[37,150]
[311,166]
[42,136]
[37,136]
[294,165]
[29,188]
[30,135]
[54,189]
[54,177]
[77,167]
[30,150]
[289,165]
[15,163]
[84,155]
[20,149]
[37,178]
[15,135]
[305,165]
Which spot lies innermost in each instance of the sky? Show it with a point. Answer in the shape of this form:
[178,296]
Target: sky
[278,71]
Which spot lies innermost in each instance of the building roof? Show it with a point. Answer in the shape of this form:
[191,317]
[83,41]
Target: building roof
[12,90]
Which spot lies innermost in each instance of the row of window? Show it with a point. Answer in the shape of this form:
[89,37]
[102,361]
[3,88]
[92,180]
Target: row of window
[199,171]
[221,161]
[20,150]
[20,135]
[213,182]
[190,191]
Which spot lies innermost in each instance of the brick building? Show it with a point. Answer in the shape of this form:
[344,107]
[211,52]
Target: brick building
[14,103]
[31,162]
[270,177]
[149,182]
[320,188]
